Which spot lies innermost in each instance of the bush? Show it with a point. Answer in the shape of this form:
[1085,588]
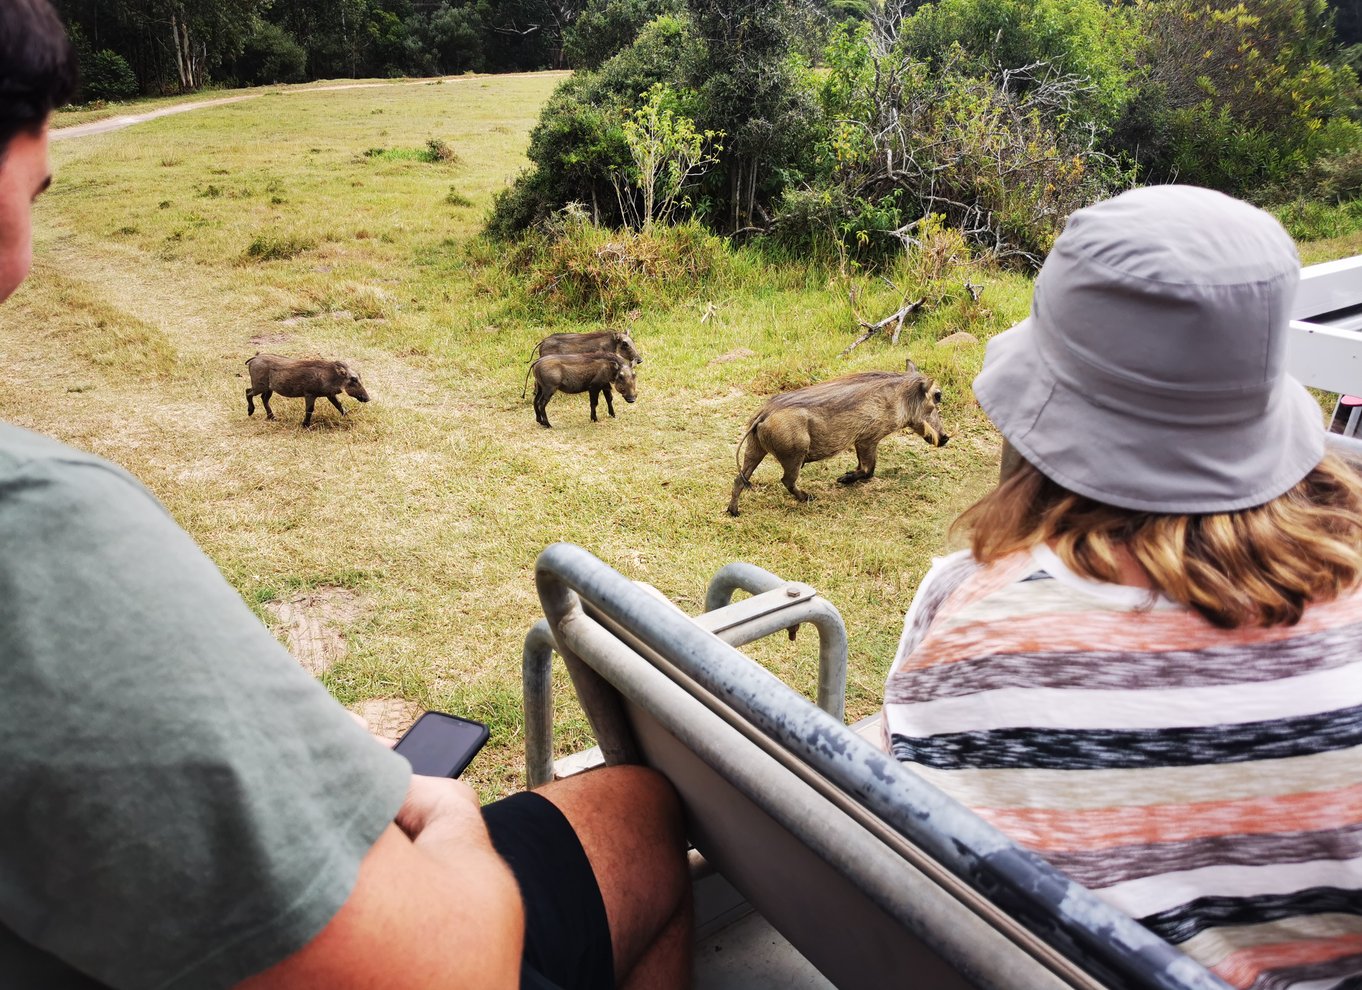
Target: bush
[909,141]
[578,266]
[1310,220]
[271,55]
[605,28]
[1246,99]
[280,247]
[578,146]
[1089,40]
[106,75]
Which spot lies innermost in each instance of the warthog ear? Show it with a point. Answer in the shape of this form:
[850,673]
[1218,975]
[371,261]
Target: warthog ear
[910,367]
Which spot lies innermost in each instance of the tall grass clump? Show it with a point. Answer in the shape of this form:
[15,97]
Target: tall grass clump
[576,265]
[278,247]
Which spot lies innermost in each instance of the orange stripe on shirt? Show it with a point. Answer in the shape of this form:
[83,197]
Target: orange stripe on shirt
[1241,968]
[1050,830]
[1113,631]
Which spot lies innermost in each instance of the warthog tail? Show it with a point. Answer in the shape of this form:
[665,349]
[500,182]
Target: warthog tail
[737,454]
[528,371]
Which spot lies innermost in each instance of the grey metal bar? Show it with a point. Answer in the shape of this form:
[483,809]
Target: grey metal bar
[537,677]
[783,605]
[599,699]
[964,939]
[1349,447]
[832,631]
[1065,914]
[817,612]
[738,576]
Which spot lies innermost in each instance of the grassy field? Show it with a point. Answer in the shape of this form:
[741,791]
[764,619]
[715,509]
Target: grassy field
[306,222]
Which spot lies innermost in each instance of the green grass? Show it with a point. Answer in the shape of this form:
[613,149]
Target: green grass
[431,502]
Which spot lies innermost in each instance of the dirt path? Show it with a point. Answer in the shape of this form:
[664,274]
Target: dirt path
[118,123]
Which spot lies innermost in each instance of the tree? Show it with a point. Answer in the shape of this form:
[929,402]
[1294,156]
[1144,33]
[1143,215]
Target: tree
[668,153]
[748,90]
[606,27]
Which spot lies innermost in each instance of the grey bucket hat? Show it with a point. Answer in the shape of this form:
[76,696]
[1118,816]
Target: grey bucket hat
[1150,374]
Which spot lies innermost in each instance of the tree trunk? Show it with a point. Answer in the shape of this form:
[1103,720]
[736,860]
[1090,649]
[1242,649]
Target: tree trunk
[180,65]
[185,61]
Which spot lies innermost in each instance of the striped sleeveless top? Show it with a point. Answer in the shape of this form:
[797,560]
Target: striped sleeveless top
[1207,782]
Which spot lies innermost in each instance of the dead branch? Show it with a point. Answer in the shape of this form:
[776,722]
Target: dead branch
[897,318]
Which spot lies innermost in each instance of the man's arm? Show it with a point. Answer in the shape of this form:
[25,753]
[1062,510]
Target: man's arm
[434,906]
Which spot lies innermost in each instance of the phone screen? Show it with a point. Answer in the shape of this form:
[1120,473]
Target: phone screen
[440,745]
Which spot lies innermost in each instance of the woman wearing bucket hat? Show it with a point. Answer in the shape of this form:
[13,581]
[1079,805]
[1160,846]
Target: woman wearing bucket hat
[1147,666]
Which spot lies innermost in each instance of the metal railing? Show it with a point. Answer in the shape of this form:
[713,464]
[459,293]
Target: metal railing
[775,605]
[1070,918]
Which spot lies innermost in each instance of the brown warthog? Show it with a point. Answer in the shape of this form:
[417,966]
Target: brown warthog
[573,373]
[813,423]
[309,378]
[599,342]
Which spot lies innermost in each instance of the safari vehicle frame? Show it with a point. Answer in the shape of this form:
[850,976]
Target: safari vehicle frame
[870,873]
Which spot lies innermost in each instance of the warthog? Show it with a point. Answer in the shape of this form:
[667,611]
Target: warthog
[600,342]
[573,373]
[813,423]
[309,378]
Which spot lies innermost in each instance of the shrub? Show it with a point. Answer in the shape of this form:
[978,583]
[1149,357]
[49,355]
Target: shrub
[271,55]
[576,265]
[578,146]
[272,247]
[106,75]
[605,28]
[909,140]
[1090,41]
[1311,220]
[1244,98]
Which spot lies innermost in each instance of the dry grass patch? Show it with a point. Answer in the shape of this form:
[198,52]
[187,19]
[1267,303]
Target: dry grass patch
[312,625]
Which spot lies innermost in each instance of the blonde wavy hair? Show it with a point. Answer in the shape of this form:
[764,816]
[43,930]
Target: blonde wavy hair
[1253,567]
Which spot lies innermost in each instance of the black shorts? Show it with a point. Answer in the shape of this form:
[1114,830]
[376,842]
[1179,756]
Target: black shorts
[567,937]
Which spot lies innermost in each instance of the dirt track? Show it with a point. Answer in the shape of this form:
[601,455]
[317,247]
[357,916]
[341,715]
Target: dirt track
[118,123]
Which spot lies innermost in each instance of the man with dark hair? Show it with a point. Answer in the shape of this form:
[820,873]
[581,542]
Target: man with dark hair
[184,807]
[37,75]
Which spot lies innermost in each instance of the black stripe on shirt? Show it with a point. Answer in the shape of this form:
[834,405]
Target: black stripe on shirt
[1178,924]
[1118,749]
[1098,670]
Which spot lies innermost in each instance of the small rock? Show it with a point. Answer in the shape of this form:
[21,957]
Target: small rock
[959,339]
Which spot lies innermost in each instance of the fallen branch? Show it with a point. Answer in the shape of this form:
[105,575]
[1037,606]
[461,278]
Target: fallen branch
[897,318]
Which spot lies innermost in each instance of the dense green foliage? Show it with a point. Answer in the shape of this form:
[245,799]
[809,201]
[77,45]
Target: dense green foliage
[995,118]
[106,75]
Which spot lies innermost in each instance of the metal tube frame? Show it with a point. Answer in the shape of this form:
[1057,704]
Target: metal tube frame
[1062,912]
[775,605]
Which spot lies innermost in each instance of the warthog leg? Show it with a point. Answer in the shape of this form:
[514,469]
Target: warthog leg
[753,454]
[609,403]
[311,401]
[265,401]
[250,403]
[541,400]
[595,394]
[865,463]
[792,461]
[336,402]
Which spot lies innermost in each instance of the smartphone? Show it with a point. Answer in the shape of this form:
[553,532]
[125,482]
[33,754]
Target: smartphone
[441,745]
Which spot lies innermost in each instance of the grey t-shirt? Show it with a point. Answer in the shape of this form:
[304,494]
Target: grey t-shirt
[181,805]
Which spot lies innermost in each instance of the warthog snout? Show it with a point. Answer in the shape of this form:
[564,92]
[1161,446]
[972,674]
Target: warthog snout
[355,389]
[627,383]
